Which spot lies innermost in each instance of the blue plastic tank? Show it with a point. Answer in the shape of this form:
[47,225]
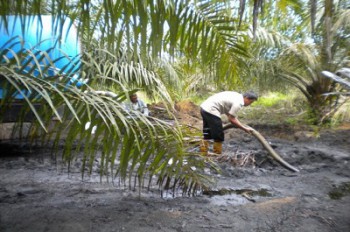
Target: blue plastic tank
[36,34]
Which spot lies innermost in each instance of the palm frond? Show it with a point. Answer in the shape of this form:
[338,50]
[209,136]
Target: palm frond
[125,144]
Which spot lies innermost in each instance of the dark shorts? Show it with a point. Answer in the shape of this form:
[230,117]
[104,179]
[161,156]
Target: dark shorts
[212,127]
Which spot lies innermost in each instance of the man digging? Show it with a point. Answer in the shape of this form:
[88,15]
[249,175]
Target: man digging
[229,103]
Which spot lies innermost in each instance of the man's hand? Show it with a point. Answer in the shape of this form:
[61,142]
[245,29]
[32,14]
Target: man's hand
[238,124]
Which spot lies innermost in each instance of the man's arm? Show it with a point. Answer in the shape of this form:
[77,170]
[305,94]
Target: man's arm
[143,108]
[237,123]
[145,111]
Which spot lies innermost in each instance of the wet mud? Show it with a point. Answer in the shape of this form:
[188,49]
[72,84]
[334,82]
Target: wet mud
[252,192]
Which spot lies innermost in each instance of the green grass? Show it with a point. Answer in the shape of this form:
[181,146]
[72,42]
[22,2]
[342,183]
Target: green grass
[276,108]
[272,99]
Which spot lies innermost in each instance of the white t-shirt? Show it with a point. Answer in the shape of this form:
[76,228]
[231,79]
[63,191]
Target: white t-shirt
[137,106]
[227,102]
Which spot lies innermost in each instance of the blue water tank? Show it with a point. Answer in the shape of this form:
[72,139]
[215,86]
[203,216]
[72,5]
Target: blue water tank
[50,42]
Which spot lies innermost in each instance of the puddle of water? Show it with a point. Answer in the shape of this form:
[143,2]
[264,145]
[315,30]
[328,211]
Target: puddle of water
[235,196]
[224,191]
[231,199]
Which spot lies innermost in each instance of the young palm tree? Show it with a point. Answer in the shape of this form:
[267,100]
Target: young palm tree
[125,58]
[125,144]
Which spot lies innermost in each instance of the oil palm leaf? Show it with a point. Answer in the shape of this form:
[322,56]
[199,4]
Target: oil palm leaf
[125,144]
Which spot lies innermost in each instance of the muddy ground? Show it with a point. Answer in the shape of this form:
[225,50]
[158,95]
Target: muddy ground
[251,194]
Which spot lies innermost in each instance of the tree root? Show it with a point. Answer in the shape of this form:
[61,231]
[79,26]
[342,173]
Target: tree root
[267,146]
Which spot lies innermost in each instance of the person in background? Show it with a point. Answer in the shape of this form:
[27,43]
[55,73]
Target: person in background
[228,103]
[136,104]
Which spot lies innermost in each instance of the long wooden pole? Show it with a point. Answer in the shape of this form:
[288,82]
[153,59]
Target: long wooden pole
[267,146]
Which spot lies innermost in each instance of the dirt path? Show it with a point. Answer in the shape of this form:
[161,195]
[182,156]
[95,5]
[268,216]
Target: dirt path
[37,194]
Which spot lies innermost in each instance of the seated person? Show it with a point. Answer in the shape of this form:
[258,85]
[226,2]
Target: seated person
[136,104]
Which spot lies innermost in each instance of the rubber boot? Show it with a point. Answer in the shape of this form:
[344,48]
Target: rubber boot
[217,148]
[204,147]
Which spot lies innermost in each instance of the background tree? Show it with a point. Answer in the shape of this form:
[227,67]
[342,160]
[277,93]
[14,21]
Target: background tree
[302,64]
[300,48]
